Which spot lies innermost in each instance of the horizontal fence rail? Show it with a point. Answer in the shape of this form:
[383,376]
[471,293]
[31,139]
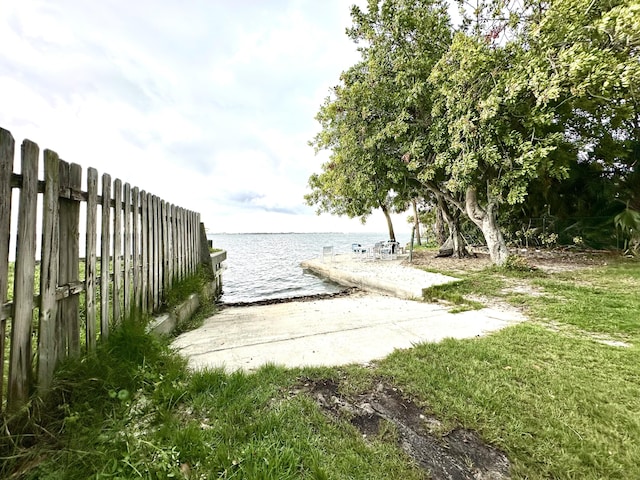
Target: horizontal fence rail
[136,246]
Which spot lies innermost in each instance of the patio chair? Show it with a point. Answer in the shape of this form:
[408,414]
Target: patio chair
[389,250]
[327,252]
[358,249]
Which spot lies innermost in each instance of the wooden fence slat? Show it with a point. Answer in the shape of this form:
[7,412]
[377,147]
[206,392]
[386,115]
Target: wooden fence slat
[192,249]
[117,250]
[195,244]
[90,258]
[161,292]
[7,152]
[174,253]
[187,222]
[205,255]
[62,322]
[20,356]
[165,247]
[178,245]
[73,244]
[190,241]
[144,257]
[126,251]
[181,242]
[135,248]
[187,241]
[157,261]
[47,339]
[169,244]
[150,258]
[154,242]
[105,247]
[185,254]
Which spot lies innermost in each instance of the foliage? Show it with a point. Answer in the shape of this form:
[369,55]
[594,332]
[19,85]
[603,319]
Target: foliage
[629,222]
[518,264]
[137,412]
[525,101]
[182,289]
[378,103]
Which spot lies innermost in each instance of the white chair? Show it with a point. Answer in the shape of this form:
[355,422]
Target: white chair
[327,252]
[357,249]
[389,250]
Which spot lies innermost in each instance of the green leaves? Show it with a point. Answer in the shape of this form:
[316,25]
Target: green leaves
[516,96]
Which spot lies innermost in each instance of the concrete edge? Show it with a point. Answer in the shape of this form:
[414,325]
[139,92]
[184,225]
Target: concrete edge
[360,281]
[219,257]
[165,323]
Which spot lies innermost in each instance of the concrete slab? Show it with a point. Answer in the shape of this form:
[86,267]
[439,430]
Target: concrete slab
[353,329]
[390,277]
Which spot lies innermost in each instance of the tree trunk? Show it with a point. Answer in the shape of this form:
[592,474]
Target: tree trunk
[440,234]
[416,220]
[392,235]
[457,243]
[487,221]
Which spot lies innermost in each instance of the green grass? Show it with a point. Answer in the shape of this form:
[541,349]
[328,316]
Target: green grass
[136,412]
[560,407]
[603,300]
[559,402]
[547,392]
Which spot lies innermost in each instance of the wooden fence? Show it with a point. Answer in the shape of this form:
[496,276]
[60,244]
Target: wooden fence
[135,247]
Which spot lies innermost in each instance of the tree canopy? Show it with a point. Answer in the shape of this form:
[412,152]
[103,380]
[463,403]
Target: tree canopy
[483,115]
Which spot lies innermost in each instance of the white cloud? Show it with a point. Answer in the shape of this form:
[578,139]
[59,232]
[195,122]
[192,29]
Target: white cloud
[206,103]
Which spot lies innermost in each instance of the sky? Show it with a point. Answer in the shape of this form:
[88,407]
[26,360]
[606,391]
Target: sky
[208,104]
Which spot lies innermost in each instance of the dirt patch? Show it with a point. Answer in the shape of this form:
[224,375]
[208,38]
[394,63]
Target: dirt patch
[456,454]
[546,260]
[428,259]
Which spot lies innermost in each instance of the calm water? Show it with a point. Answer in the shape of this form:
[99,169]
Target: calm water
[263,266]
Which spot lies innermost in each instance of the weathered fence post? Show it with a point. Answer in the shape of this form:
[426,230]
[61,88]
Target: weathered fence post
[158,243]
[126,251]
[205,254]
[47,335]
[20,358]
[90,273]
[150,255]
[7,151]
[135,194]
[181,243]
[117,250]
[105,263]
[157,261]
[170,244]
[73,242]
[166,281]
[69,219]
[174,243]
[144,246]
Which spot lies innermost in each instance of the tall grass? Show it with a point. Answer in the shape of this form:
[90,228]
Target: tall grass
[557,400]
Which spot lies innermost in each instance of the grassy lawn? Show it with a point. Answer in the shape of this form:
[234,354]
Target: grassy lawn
[550,393]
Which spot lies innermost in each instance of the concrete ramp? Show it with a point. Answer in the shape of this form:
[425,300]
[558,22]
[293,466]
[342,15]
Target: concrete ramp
[357,328]
[389,277]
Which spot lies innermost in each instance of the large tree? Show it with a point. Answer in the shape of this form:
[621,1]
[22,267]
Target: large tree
[362,173]
[517,96]
[370,117]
